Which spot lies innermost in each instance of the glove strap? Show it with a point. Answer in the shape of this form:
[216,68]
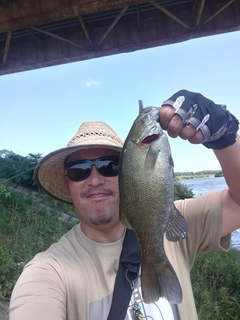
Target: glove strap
[229,137]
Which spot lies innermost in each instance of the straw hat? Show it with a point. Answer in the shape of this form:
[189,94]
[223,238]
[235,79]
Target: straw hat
[49,173]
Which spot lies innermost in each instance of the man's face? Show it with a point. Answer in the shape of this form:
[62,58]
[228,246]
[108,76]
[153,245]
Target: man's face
[96,198]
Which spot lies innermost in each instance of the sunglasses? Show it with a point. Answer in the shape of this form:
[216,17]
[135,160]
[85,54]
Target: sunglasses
[80,170]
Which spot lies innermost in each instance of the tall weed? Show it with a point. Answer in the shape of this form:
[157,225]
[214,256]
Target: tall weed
[216,285]
[26,228]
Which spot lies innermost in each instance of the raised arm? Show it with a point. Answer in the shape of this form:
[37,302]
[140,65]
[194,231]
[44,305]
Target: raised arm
[229,158]
[197,119]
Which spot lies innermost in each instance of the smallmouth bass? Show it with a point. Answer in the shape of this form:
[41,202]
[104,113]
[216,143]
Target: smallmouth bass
[146,186]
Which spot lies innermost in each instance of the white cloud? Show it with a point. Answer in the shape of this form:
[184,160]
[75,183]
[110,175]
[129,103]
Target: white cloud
[90,83]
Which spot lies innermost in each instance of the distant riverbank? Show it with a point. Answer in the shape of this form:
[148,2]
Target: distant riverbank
[198,175]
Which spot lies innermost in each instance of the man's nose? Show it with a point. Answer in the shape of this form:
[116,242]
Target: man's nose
[95,177]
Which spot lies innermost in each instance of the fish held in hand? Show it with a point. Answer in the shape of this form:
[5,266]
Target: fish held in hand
[146,185]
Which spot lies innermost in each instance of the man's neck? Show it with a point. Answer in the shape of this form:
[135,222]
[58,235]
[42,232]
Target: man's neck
[105,233]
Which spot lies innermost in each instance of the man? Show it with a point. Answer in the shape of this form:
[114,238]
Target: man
[74,278]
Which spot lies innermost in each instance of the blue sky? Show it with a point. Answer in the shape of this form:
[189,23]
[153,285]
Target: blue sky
[42,109]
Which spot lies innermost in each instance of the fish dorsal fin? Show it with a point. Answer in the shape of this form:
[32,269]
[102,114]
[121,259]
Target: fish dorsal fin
[177,228]
[140,103]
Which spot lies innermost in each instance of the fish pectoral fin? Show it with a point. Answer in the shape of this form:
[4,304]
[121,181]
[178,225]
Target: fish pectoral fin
[151,158]
[170,160]
[177,228]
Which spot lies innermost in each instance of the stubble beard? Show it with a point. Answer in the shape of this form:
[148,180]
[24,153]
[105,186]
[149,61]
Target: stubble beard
[100,221]
[100,217]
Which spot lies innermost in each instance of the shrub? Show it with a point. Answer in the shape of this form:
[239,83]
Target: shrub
[182,191]
[4,194]
[18,169]
[218,174]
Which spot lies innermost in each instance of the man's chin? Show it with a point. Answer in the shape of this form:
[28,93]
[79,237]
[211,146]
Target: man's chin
[101,221]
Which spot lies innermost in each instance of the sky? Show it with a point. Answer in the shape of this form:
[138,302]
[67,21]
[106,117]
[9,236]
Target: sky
[42,109]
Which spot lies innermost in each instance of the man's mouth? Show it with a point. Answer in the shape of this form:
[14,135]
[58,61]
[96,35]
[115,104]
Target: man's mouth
[99,193]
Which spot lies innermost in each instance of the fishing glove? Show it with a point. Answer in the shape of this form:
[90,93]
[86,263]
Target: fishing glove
[217,124]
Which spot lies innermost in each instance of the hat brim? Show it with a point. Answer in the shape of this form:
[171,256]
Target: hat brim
[49,173]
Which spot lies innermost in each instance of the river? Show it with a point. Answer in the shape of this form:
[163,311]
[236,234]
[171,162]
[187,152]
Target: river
[202,186]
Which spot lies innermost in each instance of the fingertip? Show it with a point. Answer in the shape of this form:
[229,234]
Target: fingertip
[166,114]
[197,138]
[187,132]
[174,126]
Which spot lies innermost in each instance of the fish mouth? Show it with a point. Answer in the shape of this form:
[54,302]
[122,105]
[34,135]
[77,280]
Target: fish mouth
[150,139]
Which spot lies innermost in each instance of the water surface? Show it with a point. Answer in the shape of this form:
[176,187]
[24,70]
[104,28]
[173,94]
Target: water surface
[203,186]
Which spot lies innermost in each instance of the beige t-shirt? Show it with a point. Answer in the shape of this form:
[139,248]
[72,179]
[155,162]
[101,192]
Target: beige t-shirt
[74,278]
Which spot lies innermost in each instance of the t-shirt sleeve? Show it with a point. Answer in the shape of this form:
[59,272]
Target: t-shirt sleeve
[39,291]
[204,217]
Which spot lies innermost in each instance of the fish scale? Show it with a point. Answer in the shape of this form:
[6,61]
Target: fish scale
[146,186]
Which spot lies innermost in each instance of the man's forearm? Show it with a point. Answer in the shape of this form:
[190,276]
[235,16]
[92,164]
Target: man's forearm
[229,159]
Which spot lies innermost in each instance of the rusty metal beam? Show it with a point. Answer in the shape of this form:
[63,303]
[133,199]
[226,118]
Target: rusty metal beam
[198,11]
[32,35]
[56,36]
[7,45]
[220,10]
[169,14]
[114,23]
[80,18]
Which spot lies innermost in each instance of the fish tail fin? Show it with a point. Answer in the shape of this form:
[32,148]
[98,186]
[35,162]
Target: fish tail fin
[169,285]
[161,282]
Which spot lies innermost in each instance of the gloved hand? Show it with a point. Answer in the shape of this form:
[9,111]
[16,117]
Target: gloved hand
[217,124]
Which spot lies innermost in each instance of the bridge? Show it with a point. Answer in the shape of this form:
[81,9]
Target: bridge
[41,33]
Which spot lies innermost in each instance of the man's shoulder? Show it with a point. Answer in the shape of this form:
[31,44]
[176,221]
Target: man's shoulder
[64,248]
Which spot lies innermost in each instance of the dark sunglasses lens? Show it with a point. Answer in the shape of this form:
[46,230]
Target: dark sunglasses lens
[108,167]
[79,171]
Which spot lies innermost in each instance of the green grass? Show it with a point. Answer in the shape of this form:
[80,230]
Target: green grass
[26,228]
